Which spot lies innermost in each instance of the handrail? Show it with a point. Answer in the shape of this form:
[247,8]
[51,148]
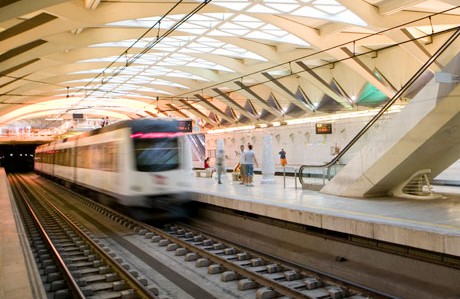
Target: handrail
[295,176]
[384,109]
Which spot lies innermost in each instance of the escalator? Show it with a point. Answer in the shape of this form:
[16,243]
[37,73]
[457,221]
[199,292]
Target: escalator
[400,158]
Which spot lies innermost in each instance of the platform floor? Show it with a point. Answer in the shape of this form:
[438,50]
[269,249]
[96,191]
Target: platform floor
[426,224]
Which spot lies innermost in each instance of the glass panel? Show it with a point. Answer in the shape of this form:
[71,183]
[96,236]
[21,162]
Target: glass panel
[156,154]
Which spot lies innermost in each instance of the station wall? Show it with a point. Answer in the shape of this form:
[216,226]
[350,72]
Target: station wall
[301,142]
[303,145]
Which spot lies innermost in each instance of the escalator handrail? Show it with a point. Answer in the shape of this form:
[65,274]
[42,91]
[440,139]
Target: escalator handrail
[384,109]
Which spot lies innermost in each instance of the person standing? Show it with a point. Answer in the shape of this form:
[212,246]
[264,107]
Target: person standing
[283,159]
[242,164]
[250,160]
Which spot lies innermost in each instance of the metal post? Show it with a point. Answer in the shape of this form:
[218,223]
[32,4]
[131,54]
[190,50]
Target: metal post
[284,176]
[324,182]
[295,177]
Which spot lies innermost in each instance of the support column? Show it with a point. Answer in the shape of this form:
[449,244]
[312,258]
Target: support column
[268,163]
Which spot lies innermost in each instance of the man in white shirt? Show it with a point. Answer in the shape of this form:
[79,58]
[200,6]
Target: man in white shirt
[249,160]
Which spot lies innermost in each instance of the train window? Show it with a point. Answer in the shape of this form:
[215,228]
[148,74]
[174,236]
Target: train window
[58,157]
[79,157]
[108,156]
[102,156]
[112,154]
[82,157]
[156,154]
[94,156]
[71,157]
[67,155]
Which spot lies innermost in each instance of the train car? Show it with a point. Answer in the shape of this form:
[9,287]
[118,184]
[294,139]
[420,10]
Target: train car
[137,163]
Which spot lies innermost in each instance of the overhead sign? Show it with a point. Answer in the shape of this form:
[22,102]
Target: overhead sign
[184,125]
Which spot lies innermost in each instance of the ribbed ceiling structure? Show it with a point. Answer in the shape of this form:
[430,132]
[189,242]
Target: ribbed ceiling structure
[221,63]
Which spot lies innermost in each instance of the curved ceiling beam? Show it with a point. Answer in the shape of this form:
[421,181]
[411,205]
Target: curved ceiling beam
[23,7]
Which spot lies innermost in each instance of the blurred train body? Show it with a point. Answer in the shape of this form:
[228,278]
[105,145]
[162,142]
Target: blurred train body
[137,163]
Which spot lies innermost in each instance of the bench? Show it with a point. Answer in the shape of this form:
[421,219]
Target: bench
[206,173]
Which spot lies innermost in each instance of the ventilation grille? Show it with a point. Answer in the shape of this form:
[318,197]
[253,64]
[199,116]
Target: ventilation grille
[418,186]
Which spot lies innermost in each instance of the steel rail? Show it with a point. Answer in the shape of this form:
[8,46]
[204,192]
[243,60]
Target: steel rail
[71,283]
[133,283]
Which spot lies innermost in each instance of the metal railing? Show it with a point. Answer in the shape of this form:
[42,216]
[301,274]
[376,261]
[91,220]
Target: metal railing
[284,175]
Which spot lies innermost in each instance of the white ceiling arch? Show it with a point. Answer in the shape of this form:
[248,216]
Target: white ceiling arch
[210,60]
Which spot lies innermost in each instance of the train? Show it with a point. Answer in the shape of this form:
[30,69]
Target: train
[134,163]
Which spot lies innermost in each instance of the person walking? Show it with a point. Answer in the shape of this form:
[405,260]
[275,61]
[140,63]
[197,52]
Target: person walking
[220,165]
[283,159]
[250,160]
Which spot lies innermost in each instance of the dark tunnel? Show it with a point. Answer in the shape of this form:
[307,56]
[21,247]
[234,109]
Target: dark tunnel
[17,158]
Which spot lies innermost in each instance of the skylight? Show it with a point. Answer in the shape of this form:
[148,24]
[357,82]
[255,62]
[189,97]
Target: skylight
[188,44]
[180,50]
[329,10]
[215,24]
[200,34]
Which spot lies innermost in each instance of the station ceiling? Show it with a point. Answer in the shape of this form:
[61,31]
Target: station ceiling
[221,63]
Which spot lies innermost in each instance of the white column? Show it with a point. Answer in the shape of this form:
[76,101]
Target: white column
[220,153]
[268,163]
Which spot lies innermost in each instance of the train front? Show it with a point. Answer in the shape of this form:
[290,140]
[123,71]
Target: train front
[159,179]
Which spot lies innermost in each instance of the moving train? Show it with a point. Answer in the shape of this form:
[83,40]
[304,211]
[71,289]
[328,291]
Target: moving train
[135,163]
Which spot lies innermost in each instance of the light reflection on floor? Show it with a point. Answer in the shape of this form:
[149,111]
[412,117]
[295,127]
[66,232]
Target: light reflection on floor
[439,214]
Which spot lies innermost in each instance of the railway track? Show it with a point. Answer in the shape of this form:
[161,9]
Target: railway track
[133,260]
[270,277]
[70,262]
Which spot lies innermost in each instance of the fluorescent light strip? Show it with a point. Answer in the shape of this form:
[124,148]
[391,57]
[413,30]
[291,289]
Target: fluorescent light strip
[325,118]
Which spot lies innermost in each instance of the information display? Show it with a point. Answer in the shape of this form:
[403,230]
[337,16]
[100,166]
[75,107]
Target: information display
[184,125]
[325,128]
